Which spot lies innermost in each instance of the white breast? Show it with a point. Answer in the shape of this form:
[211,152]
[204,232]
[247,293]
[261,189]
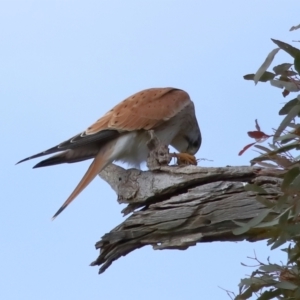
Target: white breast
[132,147]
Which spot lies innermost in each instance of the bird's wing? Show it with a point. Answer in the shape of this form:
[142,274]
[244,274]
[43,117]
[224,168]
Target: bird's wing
[78,141]
[144,110]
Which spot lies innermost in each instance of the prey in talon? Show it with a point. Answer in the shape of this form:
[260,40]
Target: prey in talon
[122,134]
[185,159]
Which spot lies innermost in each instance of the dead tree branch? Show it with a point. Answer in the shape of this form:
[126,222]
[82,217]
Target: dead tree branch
[183,205]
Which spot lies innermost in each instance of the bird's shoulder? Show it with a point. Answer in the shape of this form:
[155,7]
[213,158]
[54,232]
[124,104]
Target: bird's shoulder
[143,110]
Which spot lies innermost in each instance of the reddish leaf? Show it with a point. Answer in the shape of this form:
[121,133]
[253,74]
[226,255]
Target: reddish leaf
[245,148]
[257,125]
[285,93]
[258,135]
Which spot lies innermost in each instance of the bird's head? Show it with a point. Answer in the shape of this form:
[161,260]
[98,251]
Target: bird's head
[193,142]
[188,142]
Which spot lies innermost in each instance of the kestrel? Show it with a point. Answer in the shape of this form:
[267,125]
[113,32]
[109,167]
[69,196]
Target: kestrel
[122,134]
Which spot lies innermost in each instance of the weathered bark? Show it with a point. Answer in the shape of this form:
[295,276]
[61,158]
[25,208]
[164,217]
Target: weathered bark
[183,205]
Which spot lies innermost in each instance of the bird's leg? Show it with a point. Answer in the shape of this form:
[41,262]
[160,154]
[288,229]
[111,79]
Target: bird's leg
[159,154]
[185,159]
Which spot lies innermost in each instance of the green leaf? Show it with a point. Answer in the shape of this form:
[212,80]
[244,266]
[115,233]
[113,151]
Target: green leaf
[280,160]
[255,188]
[295,270]
[283,218]
[297,208]
[288,85]
[245,282]
[241,224]
[282,68]
[240,230]
[282,200]
[289,177]
[259,218]
[267,295]
[271,240]
[265,201]
[263,148]
[287,48]
[293,255]
[289,147]
[245,295]
[270,268]
[287,138]
[267,165]
[297,63]
[262,69]
[292,229]
[295,185]
[295,27]
[280,241]
[287,120]
[286,285]
[264,78]
[259,159]
[272,223]
[297,293]
[272,146]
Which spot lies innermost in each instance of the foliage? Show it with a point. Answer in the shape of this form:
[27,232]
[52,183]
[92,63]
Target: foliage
[280,218]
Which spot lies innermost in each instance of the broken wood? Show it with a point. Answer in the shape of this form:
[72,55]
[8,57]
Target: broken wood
[181,206]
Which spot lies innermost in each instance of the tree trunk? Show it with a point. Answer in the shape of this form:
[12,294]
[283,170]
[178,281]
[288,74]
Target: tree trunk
[180,206]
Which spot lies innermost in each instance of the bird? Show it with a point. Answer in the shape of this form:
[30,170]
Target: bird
[123,132]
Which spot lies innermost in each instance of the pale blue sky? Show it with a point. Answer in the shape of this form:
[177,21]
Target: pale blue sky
[63,65]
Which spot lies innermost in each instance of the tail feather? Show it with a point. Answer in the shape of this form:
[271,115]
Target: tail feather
[54,160]
[98,164]
[46,152]
[81,140]
[63,158]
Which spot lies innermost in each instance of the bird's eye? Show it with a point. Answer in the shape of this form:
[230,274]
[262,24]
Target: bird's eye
[195,144]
